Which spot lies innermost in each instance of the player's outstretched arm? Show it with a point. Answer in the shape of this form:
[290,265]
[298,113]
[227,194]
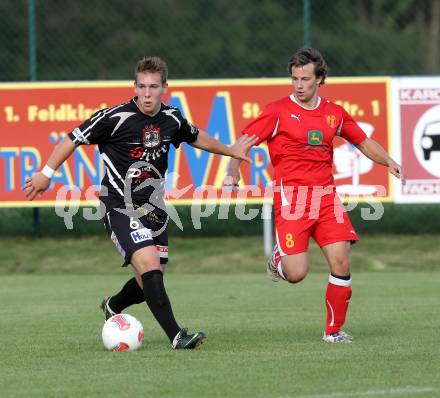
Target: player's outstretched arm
[40,181]
[374,151]
[238,151]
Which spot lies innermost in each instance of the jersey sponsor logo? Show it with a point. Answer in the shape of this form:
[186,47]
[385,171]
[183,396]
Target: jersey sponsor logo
[292,115]
[331,121]
[141,174]
[162,250]
[148,154]
[141,235]
[314,137]
[151,136]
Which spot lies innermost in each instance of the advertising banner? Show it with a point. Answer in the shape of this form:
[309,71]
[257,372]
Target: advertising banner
[416,118]
[35,117]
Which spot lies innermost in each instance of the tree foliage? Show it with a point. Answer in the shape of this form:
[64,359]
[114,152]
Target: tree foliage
[103,39]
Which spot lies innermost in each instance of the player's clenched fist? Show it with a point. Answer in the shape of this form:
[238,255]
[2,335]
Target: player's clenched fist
[36,185]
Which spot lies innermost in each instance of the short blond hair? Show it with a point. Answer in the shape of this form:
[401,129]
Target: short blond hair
[152,65]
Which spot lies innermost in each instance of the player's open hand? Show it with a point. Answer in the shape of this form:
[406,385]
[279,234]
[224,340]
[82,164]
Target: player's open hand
[36,185]
[241,147]
[396,170]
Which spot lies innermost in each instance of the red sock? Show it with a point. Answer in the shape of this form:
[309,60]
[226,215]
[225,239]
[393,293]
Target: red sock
[337,299]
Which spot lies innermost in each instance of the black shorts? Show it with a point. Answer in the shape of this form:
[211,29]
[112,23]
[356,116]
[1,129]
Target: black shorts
[130,234]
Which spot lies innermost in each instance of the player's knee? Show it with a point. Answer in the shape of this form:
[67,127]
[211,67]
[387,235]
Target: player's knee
[341,266]
[144,265]
[294,276]
[294,271]
[295,279]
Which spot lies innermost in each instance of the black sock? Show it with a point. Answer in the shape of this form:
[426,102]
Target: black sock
[158,302]
[131,293]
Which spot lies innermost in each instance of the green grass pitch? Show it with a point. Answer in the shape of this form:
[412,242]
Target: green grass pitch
[263,337]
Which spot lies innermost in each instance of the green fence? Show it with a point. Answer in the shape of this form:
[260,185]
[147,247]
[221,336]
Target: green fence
[396,219]
[102,39]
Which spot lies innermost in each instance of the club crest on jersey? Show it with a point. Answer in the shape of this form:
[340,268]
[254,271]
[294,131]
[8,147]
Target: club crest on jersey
[150,136]
[314,137]
[331,121]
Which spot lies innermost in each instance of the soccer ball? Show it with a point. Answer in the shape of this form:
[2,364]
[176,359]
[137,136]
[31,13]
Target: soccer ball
[122,332]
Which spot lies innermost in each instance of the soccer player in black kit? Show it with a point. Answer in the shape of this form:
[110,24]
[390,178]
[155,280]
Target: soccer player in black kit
[134,139]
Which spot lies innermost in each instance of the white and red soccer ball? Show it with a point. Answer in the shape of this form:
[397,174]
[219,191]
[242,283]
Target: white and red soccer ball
[122,332]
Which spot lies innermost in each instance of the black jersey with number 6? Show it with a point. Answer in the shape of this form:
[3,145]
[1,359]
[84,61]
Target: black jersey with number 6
[134,148]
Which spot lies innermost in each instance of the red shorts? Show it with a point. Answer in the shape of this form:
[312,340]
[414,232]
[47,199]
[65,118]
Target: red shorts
[309,212]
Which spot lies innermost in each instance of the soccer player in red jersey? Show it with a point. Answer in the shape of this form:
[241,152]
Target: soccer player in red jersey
[299,131]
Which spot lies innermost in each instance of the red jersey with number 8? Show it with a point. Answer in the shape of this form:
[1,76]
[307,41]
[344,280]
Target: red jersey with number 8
[300,140]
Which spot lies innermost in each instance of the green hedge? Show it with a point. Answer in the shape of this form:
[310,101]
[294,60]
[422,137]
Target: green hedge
[398,219]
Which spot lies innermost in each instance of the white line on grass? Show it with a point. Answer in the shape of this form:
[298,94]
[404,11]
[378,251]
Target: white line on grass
[368,393]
